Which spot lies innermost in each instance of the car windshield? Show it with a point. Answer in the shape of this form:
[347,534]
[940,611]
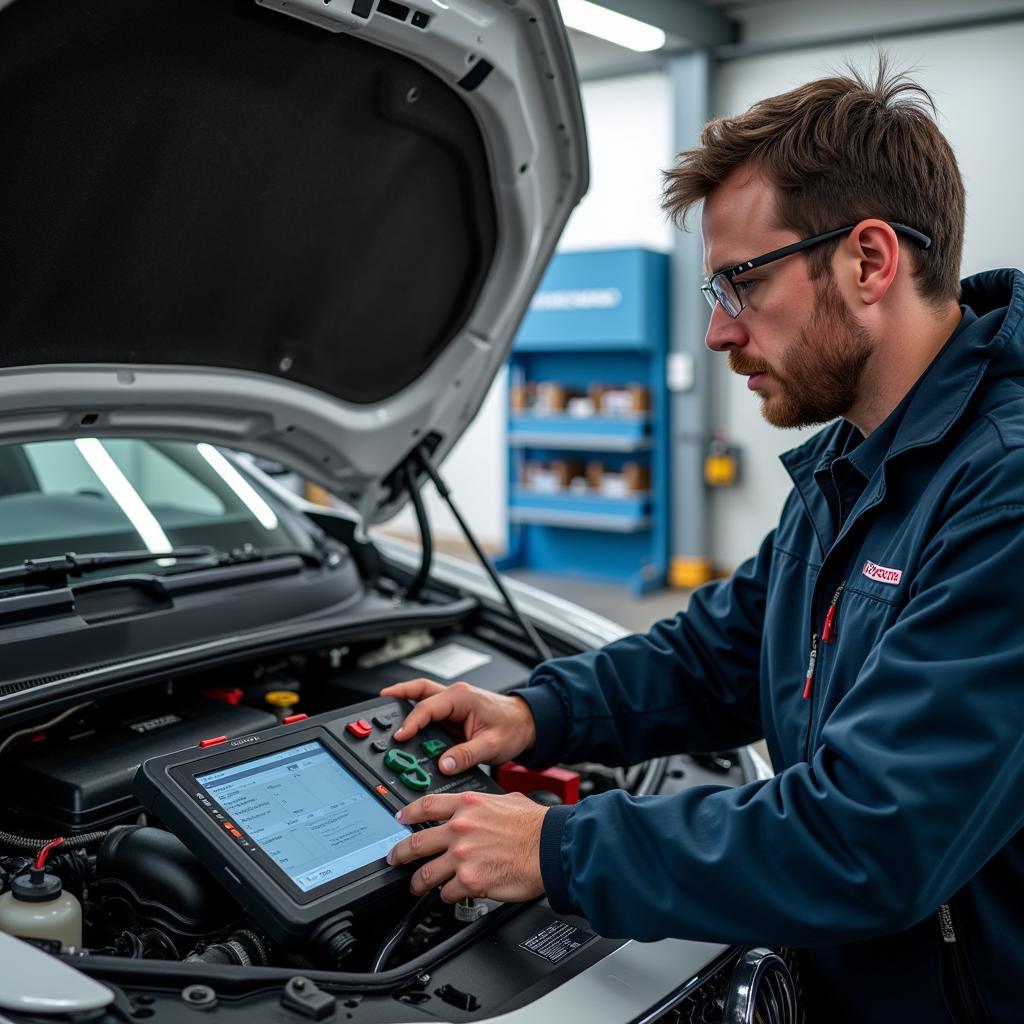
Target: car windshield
[90,495]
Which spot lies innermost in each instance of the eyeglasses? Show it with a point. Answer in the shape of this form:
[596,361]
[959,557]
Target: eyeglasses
[720,288]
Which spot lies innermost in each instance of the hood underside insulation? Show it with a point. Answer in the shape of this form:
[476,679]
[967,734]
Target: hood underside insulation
[208,183]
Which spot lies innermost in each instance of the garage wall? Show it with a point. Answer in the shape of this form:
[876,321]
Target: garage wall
[629,132]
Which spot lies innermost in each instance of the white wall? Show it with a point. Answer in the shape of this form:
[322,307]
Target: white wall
[476,474]
[628,128]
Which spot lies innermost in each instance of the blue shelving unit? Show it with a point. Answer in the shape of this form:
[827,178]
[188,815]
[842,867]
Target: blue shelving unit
[598,318]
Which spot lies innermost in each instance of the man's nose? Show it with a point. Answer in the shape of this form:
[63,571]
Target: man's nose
[724,333]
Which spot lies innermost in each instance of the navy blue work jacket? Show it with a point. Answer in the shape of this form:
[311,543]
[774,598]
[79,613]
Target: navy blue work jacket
[888,846]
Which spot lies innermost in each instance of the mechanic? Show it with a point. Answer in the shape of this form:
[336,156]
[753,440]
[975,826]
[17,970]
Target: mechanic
[876,640]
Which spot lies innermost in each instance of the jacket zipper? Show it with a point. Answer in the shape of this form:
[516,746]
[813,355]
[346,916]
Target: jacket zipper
[828,631]
[961,995]
[828,635]
[811,664]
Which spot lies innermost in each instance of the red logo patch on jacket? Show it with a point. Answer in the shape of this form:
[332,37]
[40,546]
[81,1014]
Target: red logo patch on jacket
[882,574]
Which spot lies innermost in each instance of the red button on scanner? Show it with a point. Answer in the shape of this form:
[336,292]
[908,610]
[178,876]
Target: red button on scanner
[294,718]
[360,729]
[213,741]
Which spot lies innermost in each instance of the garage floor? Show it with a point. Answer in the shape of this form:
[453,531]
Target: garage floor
[613,601]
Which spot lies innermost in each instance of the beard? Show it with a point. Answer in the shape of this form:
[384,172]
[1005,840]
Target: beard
[819,375]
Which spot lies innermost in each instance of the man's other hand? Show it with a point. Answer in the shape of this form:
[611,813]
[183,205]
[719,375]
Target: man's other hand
[486,845]
[495,727]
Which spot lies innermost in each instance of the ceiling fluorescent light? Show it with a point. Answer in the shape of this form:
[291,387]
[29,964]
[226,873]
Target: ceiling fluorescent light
[131,504]
[246,493]
[617,28]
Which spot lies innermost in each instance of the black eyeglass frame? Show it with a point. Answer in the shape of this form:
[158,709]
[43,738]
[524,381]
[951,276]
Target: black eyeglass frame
[720,283]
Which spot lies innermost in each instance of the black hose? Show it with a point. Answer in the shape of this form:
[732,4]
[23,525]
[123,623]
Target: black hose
[426,541]
[400,931]
[125,972]
[29,843]
[654,775]
[539,645]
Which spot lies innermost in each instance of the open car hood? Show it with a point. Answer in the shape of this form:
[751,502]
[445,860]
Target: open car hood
[307,229]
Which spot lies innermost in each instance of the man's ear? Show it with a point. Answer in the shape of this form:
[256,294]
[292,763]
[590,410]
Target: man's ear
[871,254]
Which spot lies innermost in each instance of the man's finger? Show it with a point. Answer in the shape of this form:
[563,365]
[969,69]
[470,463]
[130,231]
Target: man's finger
[437,708]
[425,843]
[413,689]
[434,873]
[479,750]
[455,890]
[433,807]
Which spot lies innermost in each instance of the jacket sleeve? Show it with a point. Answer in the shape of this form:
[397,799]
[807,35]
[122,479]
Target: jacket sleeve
[915,785]
[691,683]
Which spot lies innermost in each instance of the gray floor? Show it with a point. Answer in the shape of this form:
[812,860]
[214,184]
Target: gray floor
[613,601]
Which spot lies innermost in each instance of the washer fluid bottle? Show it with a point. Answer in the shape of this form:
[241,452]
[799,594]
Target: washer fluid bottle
[36,906]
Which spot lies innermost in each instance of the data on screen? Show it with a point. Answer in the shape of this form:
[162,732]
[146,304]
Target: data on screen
[311,816]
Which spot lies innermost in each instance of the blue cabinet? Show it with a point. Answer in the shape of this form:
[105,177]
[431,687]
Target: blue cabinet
[588,421]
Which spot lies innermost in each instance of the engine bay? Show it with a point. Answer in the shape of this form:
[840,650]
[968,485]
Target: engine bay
[144,893]
[151,907]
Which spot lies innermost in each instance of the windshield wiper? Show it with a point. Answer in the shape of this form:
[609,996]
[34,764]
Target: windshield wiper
[57,570]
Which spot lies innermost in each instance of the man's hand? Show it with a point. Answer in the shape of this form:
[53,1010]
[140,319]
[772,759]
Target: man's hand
[487,845]
[496,728]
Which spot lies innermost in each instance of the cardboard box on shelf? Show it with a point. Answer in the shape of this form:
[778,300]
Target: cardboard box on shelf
[627,401]
[547,397]
[551,477]
[550,397]
[580,407]
[518,397]
[638,476]
[633,478]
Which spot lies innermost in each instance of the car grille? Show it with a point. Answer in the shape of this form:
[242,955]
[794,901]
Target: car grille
[758,986]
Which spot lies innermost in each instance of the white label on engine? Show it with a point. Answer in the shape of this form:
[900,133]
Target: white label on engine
[449,661]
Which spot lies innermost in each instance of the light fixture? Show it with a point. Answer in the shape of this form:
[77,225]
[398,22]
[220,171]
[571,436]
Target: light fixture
[617,28]
[127,498]
[246,493]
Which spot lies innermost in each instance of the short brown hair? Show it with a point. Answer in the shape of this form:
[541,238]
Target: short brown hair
[839,150]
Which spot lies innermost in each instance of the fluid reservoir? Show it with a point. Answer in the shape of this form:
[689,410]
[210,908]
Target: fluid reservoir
[36,906]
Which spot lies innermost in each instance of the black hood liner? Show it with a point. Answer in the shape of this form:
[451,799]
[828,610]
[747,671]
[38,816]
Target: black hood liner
[207,182]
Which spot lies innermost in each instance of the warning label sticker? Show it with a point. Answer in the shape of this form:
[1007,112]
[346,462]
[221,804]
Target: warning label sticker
[557,941]
[449,661]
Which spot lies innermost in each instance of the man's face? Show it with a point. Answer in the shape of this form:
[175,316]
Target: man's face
[796,340]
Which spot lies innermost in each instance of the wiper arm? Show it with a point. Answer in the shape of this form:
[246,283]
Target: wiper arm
[58,569]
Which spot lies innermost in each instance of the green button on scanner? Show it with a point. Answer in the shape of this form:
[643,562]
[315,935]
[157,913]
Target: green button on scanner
[400,760]
[408,767]
[416,779]
[434,748]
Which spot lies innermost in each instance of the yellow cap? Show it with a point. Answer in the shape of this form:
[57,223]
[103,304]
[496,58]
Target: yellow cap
[281,698]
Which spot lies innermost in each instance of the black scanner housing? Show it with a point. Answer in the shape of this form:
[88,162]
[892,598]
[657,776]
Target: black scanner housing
[166,786]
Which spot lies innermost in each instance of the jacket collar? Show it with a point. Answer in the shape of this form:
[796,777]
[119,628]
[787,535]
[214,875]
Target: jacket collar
[940,397]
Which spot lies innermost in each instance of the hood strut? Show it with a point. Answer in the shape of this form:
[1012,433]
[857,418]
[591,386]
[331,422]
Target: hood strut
[422,456]
[426,540]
